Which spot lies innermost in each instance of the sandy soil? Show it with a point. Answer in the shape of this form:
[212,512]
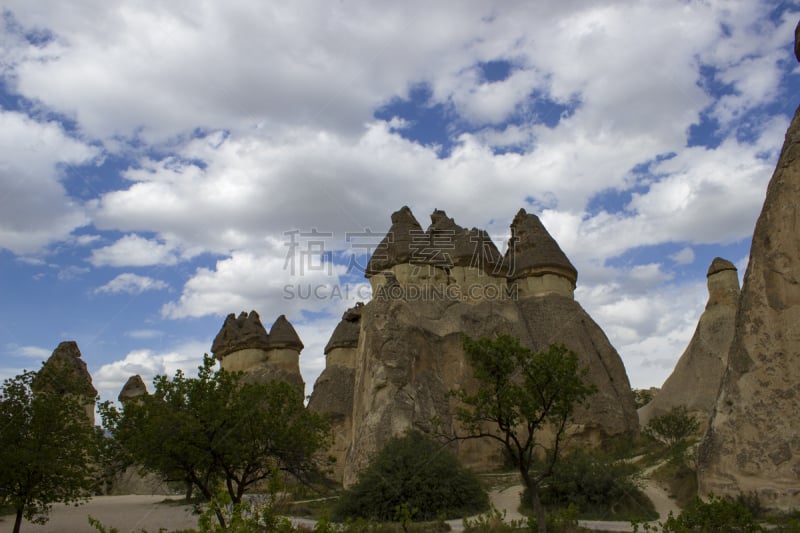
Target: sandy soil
[127,513]
[130,514]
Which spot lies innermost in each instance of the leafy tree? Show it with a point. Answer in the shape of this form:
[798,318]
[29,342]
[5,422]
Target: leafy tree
[642,397]
[218,429]
[520,393]
[673,428]
[46,449]
[413,475]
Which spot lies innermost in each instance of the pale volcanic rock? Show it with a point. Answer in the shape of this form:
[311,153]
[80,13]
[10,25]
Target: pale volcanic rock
[66,373]
[753,442]
[243,345]
[694,383]
[132,389]
[334,388]
[409,354]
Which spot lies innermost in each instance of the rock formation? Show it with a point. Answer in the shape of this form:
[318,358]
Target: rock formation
[66,373]
[333,391]
[132,389]
[243,344]
[430,288]
[753,442]
[797,41]
[132,480]
[535,261]
[694,382]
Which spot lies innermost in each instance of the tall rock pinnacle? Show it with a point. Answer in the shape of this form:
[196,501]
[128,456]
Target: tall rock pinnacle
[694,382]
[752,444]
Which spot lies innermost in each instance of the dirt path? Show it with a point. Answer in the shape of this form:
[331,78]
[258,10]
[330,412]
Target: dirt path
[126,513]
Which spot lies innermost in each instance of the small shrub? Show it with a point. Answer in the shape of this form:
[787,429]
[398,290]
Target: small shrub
[415,478]
[597,487]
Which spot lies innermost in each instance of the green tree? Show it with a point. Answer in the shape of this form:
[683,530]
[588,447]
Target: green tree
[520,393]
[218,429]
[46,449]
[673,428]
[642,397]
[413,475]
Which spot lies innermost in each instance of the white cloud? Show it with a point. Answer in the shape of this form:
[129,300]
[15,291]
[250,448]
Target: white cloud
[289,94]
[132,284]
[35,352]
[110,377]
[265,281]
[144,333]
[35,209]
[684,256]
[133,250]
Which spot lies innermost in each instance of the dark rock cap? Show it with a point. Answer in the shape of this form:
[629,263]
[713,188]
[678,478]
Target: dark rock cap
[797,41]
[283,335]
[347,331]
[457,246]
[239,333]
[718,265]
[133,388]
[533,248]
[405,242]
[65,373]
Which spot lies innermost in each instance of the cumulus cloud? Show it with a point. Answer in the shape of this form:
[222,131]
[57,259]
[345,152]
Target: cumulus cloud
[130,283]
[684,256]
[133,250]
[35,352]
[285,139]
[266,280]
[35,209]
[110,377]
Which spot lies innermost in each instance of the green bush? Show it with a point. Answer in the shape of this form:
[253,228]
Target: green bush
[414,477]
[673,428]
[718,515]
[598,486]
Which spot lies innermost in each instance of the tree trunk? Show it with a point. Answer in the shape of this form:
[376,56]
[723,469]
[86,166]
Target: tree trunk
[537,508]
[220,516]
[189,489]
[18,521]
[533,490]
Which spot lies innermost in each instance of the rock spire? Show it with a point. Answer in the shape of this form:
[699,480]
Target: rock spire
[752,443]
[133,388]
[695,381]
[65,372]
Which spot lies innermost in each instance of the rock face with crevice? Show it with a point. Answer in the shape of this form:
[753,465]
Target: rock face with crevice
[695,381]
[431,287]
[243,344]
[753,442]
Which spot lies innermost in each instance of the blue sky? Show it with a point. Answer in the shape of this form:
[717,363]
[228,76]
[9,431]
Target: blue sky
[157,161]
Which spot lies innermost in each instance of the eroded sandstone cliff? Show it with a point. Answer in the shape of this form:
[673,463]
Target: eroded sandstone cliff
[753,442]
[430,288]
